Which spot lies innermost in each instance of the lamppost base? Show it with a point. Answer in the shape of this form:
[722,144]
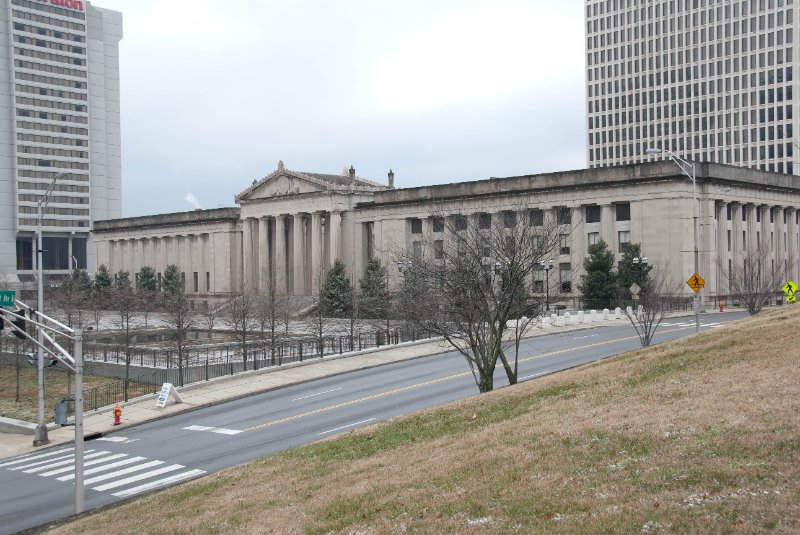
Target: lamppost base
[40,436]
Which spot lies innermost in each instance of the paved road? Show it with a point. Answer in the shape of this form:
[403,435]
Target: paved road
[37,488]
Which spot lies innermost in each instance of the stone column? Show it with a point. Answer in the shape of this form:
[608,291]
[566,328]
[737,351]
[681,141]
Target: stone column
[335,237]
[281,277]
[736,232]
[607,217]
[316,251]
[247,255]
[263,256]
[791,239]
[299,260]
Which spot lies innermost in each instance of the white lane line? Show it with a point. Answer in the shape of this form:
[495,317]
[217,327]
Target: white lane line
[586,336]
[70,462]
[90,463]
[104,468]
[34,457]
[198,428]
[219,430]
[160,483]
[344,427]
[222,431]
[112,439]
[25,466]
[317,394]
[534,375]
[139,477]
[122,472]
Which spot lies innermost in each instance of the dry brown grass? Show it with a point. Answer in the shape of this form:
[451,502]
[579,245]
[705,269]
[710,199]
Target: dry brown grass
[55,389]
[699,435]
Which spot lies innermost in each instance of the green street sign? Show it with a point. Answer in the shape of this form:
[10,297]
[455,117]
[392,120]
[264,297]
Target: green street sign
[7,298]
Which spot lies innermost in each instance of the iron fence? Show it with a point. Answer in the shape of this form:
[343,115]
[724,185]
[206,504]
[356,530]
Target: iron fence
[205,365]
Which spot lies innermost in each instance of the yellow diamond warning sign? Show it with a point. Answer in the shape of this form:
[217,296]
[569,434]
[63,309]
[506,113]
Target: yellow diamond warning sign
[696,282]
[790,287]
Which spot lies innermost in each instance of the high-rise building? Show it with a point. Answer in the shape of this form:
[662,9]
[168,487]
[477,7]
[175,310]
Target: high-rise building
[59,118]
[711,80]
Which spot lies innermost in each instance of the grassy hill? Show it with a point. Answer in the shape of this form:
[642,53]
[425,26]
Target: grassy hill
[699,435]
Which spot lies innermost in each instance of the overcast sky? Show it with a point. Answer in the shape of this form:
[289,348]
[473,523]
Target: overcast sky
[214,92]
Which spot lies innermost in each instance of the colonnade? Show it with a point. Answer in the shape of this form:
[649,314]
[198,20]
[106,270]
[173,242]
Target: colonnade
[291,251]
[190,252]
[741,227]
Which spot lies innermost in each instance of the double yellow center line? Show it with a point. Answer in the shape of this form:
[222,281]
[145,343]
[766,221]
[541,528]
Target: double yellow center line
[435,381]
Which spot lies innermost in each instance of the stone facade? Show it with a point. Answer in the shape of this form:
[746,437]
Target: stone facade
[293,225]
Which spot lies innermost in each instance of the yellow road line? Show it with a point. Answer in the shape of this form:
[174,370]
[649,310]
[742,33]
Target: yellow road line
[434,381]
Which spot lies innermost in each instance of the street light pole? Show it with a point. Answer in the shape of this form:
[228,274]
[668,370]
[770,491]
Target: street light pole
[547,265]
[688,169]
[40,434]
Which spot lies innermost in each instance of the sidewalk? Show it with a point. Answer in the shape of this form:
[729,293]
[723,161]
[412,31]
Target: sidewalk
[228,388]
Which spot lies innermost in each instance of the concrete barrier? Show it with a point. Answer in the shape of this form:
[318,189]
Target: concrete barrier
[617,313]
[593,315]
[605,314]
[581,317]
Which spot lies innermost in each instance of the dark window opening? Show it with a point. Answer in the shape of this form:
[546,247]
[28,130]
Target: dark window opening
[592,214]
[623,211]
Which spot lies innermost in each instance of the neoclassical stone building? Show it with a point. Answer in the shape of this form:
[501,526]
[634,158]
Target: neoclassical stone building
[292,225]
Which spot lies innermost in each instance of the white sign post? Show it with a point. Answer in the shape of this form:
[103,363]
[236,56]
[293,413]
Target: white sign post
[167,391]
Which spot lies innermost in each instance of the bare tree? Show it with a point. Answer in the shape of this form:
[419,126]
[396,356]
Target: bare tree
[657,294]
[241,319]
[125,303]
[209,313]
[180,319]
[269,311]
[470,279]
[756,278]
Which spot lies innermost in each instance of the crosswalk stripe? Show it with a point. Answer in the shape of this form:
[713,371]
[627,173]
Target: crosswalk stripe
[34,457]
[104,468]
[139,477]
[160,483]
[222,431]
[136,468]
[85,464]
[37,463]
[70,462]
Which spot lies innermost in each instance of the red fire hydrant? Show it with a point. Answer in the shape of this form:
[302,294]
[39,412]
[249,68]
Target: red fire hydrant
[721,306]
[117,414]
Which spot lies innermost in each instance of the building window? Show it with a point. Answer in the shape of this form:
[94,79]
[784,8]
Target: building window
[592,214]
[624,238]
[158,277]
[195,282]
[563,215]
[729,240]
[24,253]
[565,277]
[438,249]
[79,252]
[208,281]
[460,222]
[438,224]
[564,243]
[484,221]
[592,238]
[536,217]
[56,253]
[509,219]
[416,226]
[623,211]
[416,249]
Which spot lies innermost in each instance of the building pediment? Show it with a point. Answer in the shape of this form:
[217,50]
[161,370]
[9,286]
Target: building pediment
[283,182]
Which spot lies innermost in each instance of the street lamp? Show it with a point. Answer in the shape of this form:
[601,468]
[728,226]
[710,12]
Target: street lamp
[637,261]
[688,169]
[40,434]
[547,266]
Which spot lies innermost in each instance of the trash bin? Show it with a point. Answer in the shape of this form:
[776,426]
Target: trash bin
[61,413]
